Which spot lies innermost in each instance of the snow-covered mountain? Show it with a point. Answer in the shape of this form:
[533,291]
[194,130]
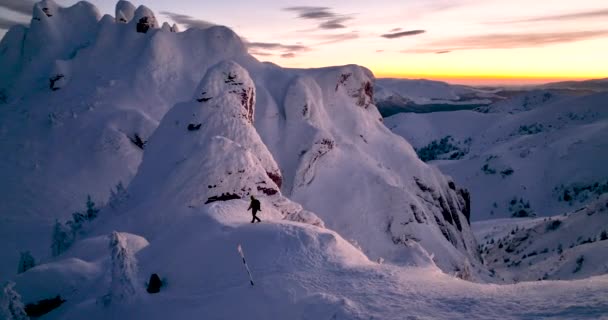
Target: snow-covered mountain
[538,153]
[422,96]
[594,85]
[87,93]
[169,133]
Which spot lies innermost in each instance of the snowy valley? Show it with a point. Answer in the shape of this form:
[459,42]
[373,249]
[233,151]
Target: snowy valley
[131,149]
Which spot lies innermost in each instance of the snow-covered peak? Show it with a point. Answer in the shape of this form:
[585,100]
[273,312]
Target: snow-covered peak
[125,11]
[228,85]
[357,83]
[222,107]
[48,8]
[144,19]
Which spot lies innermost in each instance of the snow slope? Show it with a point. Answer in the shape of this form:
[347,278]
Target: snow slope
[300,272]
[81,109]
[539,153]
[569,246]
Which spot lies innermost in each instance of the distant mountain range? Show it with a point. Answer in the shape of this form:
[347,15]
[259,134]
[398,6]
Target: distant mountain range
[422,96]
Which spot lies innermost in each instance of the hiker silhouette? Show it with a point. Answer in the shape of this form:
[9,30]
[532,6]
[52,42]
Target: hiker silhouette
[254,206]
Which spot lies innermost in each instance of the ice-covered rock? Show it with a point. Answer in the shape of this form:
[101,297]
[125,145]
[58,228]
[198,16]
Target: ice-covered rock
[125,11]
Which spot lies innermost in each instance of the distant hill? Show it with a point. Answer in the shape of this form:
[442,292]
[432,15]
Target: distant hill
[595,85]
[544,150]
[394,96]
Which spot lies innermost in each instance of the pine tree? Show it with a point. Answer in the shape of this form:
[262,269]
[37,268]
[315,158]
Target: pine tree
[124,270]
[75,224]
[91,210]
[11,307]
[119,196]
[26,262]
[61,239]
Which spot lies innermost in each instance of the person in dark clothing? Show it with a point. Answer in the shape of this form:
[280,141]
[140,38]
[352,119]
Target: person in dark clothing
[254,206]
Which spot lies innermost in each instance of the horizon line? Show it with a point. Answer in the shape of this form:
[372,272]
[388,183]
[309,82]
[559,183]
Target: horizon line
[489,79]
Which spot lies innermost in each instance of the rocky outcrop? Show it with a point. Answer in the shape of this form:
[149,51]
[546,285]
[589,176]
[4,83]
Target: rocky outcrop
[361,91]
[208,150]
[233,80]
[144,19]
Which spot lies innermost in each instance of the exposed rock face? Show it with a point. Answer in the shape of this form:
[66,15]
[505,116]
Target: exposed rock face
[145,19]
[144,24]
[361,91]
[154,284]
[464,193]
[233,80]
[54,82]
[60,76]
[448,207]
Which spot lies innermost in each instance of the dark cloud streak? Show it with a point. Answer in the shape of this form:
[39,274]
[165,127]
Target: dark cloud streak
[401,34]
[337,23]
[314,13]
[277,46]
[266,49]
[328,20]
[24,7]
[186,20]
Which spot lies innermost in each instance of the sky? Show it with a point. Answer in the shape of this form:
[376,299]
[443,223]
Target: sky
[459,41]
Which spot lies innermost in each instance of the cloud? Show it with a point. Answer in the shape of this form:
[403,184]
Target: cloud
[337,23]
[277,46]
[22,6]
[292,50]
[327,19]
[507,41]
[186,20]
[260,53]
[7,23]
[443,52]
[564,17]
[335,38]
[400,34]
[316,13]
[267,49]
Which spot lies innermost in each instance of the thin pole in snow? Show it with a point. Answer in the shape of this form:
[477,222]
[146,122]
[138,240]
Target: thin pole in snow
[240,249]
